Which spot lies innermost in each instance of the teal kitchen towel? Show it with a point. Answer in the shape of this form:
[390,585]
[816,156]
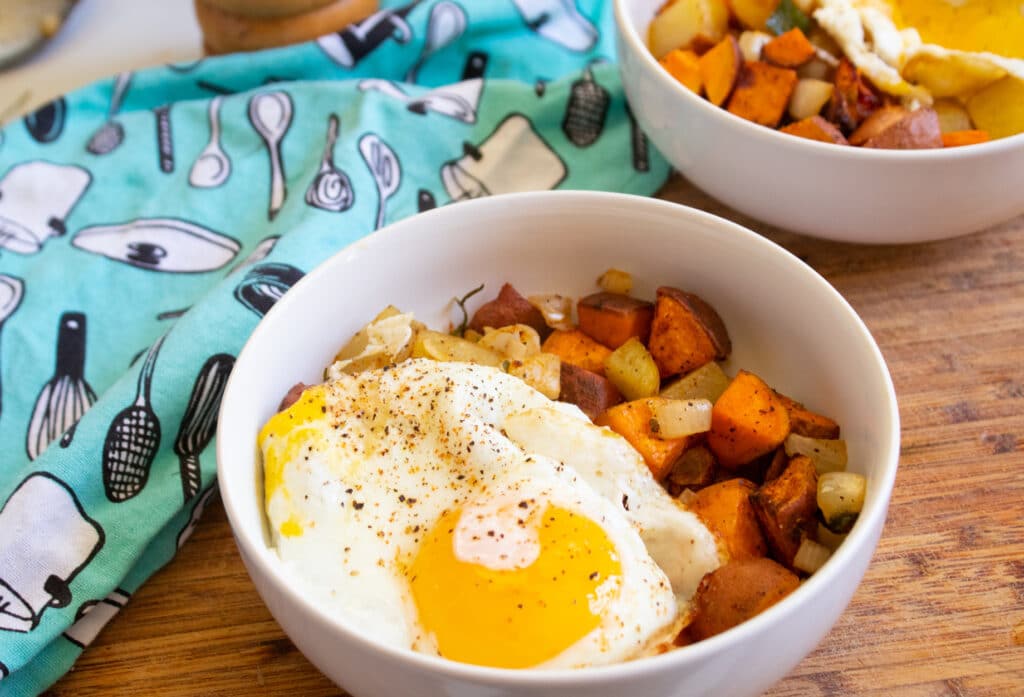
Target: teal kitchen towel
[148,221]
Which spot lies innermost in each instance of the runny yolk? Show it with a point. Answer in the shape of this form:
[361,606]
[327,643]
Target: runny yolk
[968,25]
[282,438]
[515,618]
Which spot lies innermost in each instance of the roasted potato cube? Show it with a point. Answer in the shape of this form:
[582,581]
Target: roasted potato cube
[577,348]
[632,370]
[445,347]
[753,14]
[841,499]
[678,25]
[956,139]
[726,510]
[589,391]
[877,122]
[953,115]
[853,100]
[694,470]
[616,281]
[613,318]
[789,50]
[686,332]
[917,130]
[508,308]
[541,371]
[683,65]
[632,421]
[747,421]
[706,382]
[787,508]
[736,592]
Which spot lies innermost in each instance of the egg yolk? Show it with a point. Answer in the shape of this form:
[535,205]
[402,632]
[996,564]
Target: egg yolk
[515,618]
[996,26]
[282,438]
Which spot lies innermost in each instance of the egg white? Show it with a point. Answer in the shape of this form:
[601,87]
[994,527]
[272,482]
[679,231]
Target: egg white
[396,448]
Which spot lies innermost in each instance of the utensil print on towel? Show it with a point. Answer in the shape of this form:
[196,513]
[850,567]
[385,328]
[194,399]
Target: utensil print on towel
[160,244]
[65,396]
[355,42]
[46,123]
[638,144]
[11,291]
[271,114]
[93,616]
[559,21]
[258,254]
[164,138]
[199,422]
[331,189]
[264,284]
[446,24]
[213,166]
[133,438]
[385,168]
[111,134]
[197,512]
[586,110]
[36,198]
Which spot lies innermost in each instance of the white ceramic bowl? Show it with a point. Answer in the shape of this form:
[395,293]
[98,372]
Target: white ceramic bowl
[818,189]
[787,324]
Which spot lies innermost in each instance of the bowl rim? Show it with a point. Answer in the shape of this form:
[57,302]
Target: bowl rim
[628,33]
[256,553]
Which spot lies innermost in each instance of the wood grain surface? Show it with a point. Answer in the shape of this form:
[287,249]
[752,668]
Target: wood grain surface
[941,610]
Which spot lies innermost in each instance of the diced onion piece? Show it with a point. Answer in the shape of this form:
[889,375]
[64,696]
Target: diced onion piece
[616,281]
[830,539]
[472,335]
[828,455]
[541,371]
[810,556]
[752,43]
[707,382]
[687,497]
[809,96]
[840,499]
[516,341]
[678,418]
[445,347]
[556,309]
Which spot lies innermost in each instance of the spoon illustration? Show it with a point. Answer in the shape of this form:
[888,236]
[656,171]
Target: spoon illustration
[199,422]
[446,24]
[271,115]
[386,171]
[331,189]
[110,135]
[213,166]
[133,439]
[11,290]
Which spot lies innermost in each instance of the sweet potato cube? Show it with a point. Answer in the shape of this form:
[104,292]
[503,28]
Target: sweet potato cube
[805,422]
[719,69]
[575,347]
[747,421]
[686,332]
[917,130]
[589,391]
[853,100]
[611,319]
[726,510]
[633,421]
[682,64]
[816,128]
[737,591]
[970,137]
[762,93]
[508,308]
[789,50]
[787,508]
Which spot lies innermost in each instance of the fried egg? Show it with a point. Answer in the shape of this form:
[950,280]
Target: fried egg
[923,49]
[454,510]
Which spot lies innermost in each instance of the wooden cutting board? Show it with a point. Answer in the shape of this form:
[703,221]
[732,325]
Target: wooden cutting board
[941,610]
